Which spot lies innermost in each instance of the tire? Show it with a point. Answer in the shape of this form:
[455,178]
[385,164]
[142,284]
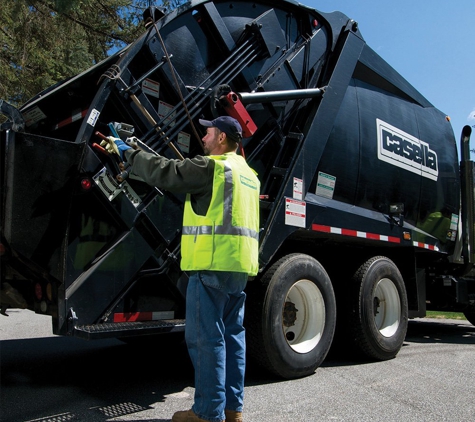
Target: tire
[470,315]
[379,312]
[292,316]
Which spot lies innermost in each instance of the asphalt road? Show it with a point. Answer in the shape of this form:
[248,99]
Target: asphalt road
[47,378]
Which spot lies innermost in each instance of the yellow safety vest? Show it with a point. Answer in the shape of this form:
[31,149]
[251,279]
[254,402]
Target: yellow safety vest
[227,237]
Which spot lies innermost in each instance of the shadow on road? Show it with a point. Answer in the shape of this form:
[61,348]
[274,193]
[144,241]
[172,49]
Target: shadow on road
[67,377]
[103,379]
[440,331]
[424,330]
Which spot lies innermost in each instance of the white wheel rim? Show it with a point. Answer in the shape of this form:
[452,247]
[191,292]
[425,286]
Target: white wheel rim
[387,307]
[303,316]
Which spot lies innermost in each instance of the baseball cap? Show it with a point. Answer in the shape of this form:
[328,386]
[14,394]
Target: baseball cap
[227,124]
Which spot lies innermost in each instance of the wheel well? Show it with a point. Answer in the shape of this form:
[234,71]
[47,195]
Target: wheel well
[341,260]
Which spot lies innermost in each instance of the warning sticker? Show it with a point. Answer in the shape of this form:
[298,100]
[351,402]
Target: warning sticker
[183,142]
[454,222]
[325,185]
[295,212]
[93,117]
[151,87]
[298,188]
[452,232]
[163,110]
[33,116]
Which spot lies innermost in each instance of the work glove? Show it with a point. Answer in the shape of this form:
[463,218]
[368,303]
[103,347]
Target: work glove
[122,147]
[115,146]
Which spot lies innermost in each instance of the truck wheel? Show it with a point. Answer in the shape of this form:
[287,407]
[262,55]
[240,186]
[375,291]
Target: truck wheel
[470,315]
[379,309]
[292,316]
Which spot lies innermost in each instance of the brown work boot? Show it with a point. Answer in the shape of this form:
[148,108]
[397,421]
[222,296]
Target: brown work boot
[233,416]
[186,416]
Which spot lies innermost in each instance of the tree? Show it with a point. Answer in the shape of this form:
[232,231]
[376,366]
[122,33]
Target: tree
[46,41]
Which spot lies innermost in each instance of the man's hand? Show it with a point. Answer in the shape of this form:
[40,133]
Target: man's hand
[115,146]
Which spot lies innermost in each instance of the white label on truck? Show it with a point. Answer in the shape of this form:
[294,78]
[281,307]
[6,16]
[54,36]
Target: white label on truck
[405,151]
[454,222]
[33,116]
[151,87]
[295,212]
[93,117]
[325,185]
[298,188]
[183,141]
[163,110]
[452,232]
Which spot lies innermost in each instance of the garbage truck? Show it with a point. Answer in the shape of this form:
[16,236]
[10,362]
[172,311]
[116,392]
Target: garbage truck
[366,208]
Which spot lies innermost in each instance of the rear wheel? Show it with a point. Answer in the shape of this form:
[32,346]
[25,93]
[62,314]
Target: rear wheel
[379,315]
[470,315]
[291,317]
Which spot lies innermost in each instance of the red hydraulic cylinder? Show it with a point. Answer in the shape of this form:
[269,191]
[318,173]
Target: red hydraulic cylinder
[234,107]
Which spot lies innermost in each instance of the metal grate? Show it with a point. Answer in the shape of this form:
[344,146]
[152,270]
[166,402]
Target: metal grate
[135,328]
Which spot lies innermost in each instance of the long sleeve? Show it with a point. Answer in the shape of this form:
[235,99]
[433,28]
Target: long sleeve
[193,176]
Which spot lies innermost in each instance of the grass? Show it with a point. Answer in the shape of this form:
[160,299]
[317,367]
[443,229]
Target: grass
[445,315]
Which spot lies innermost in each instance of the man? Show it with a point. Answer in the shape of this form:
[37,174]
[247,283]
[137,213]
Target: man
[220,249]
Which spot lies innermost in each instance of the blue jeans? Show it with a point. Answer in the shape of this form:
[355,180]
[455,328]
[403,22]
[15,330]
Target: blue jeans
[216,342]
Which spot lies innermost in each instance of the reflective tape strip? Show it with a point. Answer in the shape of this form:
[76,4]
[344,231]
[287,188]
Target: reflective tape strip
[208,230]
[143,316]
[73,118]
[425,246]
[355,233]
[197,230]
[371,236]
[237,231]
[228,196]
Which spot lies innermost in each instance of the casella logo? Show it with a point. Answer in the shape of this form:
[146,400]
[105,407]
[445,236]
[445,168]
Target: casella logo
[405,151]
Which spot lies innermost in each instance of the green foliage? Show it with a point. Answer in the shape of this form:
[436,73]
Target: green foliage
[46,41]
[445,315]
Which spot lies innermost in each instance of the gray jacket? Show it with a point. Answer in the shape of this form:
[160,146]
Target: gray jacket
[191,175]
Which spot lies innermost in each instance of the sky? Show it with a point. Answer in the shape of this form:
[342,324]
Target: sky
[429,42]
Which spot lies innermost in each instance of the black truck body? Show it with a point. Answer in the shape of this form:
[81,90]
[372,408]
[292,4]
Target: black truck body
[366,211]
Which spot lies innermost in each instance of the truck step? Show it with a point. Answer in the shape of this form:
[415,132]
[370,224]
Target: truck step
[129,329]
